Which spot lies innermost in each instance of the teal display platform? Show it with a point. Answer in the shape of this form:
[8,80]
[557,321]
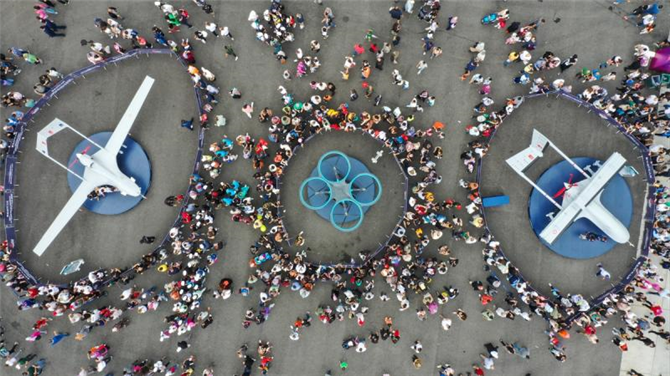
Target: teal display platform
[340,189]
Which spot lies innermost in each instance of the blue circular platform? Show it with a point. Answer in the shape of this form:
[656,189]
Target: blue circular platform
[341,190]
[616,197]
[133,161]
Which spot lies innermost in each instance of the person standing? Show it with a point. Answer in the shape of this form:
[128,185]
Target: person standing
[344,365]
[36,368]
[182,345]
[147,239]
[602,273]
[248,109]
[567,63]
[416,362]
[187,124]
[417,346]
[23,361]
[114,13]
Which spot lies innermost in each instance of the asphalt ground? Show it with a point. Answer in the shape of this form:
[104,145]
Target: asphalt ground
[587,28]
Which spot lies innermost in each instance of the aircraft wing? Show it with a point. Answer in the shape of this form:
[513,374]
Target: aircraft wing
[74,203]
[588,193]
[560,222]
[597,213]
[523,159]
[123,128]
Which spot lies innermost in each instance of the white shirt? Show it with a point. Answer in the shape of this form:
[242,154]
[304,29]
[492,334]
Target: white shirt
[167,8]
[210,26]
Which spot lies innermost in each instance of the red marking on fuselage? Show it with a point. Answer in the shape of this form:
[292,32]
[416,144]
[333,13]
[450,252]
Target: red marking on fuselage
[87,148]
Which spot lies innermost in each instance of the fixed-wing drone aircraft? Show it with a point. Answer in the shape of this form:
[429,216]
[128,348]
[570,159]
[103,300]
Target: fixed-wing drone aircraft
[580,199]
[100,169]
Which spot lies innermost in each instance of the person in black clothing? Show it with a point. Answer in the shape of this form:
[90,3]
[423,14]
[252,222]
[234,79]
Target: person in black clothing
[514,26]
[567,63]
[52,31]
[663,334]
[147,239]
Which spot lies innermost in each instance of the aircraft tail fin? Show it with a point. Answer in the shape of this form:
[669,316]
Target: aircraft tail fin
[523,159]
[43,136]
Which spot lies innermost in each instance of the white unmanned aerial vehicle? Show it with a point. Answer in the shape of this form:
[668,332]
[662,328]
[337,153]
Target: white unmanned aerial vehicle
[581,199]
[100,168]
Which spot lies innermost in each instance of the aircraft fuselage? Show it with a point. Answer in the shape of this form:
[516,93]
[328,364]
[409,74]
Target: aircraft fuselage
[123,183]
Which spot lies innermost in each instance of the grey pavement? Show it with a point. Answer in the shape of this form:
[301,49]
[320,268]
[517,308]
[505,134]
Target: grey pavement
[586,28]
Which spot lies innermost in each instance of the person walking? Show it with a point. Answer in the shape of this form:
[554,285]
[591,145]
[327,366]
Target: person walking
[421,65]
[52,25]
[231,52]
[58,336]
[52,32]
[225,32]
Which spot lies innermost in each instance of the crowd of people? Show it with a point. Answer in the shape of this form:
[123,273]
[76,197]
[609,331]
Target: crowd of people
[45,10]
[191,248]
[641,114]
[189,252]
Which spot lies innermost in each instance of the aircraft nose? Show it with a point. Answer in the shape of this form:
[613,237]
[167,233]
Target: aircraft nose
[137,190]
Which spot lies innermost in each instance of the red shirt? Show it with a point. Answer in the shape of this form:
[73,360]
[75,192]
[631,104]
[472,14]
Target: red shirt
[657,310]
[33,292]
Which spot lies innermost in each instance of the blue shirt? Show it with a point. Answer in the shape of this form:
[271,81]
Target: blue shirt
[653,9]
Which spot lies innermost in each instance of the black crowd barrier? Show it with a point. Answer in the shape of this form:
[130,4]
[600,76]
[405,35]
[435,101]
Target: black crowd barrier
[390,236]
[650,202]
[14,147]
